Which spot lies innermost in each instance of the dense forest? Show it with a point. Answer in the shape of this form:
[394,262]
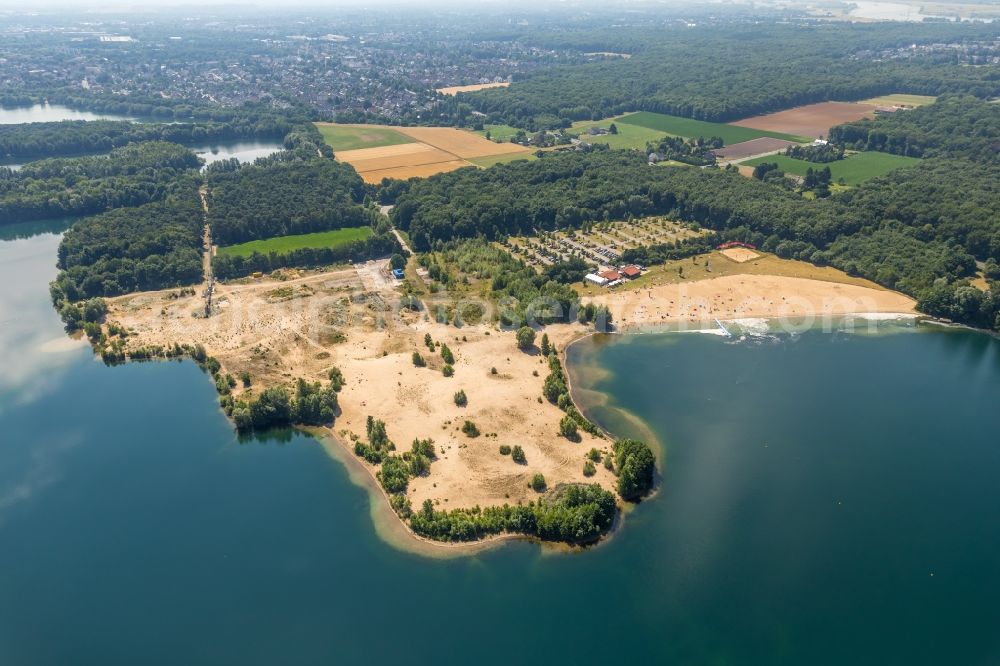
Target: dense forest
[252,202]
[558,191]
[724,73]
[131,176]
[914,229]
[954,126]
[153,246]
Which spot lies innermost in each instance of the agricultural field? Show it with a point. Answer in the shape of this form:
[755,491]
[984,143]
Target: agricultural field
[601,244]
[686,127]
[430,150]
[282,244]
[629,136]
[813,120]
[499,132]
[900,99]
[854,169]
[353,137]
[454,90]
[745,149]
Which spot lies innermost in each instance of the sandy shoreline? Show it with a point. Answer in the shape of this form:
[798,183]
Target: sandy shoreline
[700,303]
[305,324]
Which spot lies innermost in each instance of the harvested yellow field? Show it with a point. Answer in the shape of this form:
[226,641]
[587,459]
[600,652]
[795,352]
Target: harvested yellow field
[416,171]
[433,150]
[459,142]
[454,90]
[388,157]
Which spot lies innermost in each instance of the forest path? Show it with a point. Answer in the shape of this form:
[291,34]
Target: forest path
[207,257]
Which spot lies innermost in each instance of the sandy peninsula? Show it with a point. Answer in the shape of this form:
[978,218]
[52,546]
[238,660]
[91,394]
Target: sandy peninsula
[294,324]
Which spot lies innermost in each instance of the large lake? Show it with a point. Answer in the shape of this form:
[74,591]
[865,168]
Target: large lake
[50,113]
[827,499]
[244,151]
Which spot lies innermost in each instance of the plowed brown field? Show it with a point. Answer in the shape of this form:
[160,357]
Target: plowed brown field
[813,120]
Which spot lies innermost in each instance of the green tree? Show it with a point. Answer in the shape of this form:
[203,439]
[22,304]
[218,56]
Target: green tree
[546,347]
[568,428]
[635,463]
[446,355]
[525,338]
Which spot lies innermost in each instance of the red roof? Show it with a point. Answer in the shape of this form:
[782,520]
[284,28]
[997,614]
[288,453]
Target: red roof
[610,275]
[631,271]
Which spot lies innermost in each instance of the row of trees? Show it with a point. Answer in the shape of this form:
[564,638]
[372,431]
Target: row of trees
[696,152]
[576,514]
[823,153]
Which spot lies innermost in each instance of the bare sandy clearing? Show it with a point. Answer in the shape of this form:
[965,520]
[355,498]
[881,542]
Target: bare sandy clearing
[306,323]
[739,254]
[748,296]
[281,330]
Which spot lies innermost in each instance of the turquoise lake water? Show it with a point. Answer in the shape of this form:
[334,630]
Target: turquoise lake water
[811,487]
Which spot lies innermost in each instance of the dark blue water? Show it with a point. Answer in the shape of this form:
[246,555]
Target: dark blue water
[810,490]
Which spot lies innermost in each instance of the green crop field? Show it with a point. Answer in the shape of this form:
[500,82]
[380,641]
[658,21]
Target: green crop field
[901,99]
[282,244]
[693,129]
[501,132]
[348,137]
[854,169]
[629,136]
